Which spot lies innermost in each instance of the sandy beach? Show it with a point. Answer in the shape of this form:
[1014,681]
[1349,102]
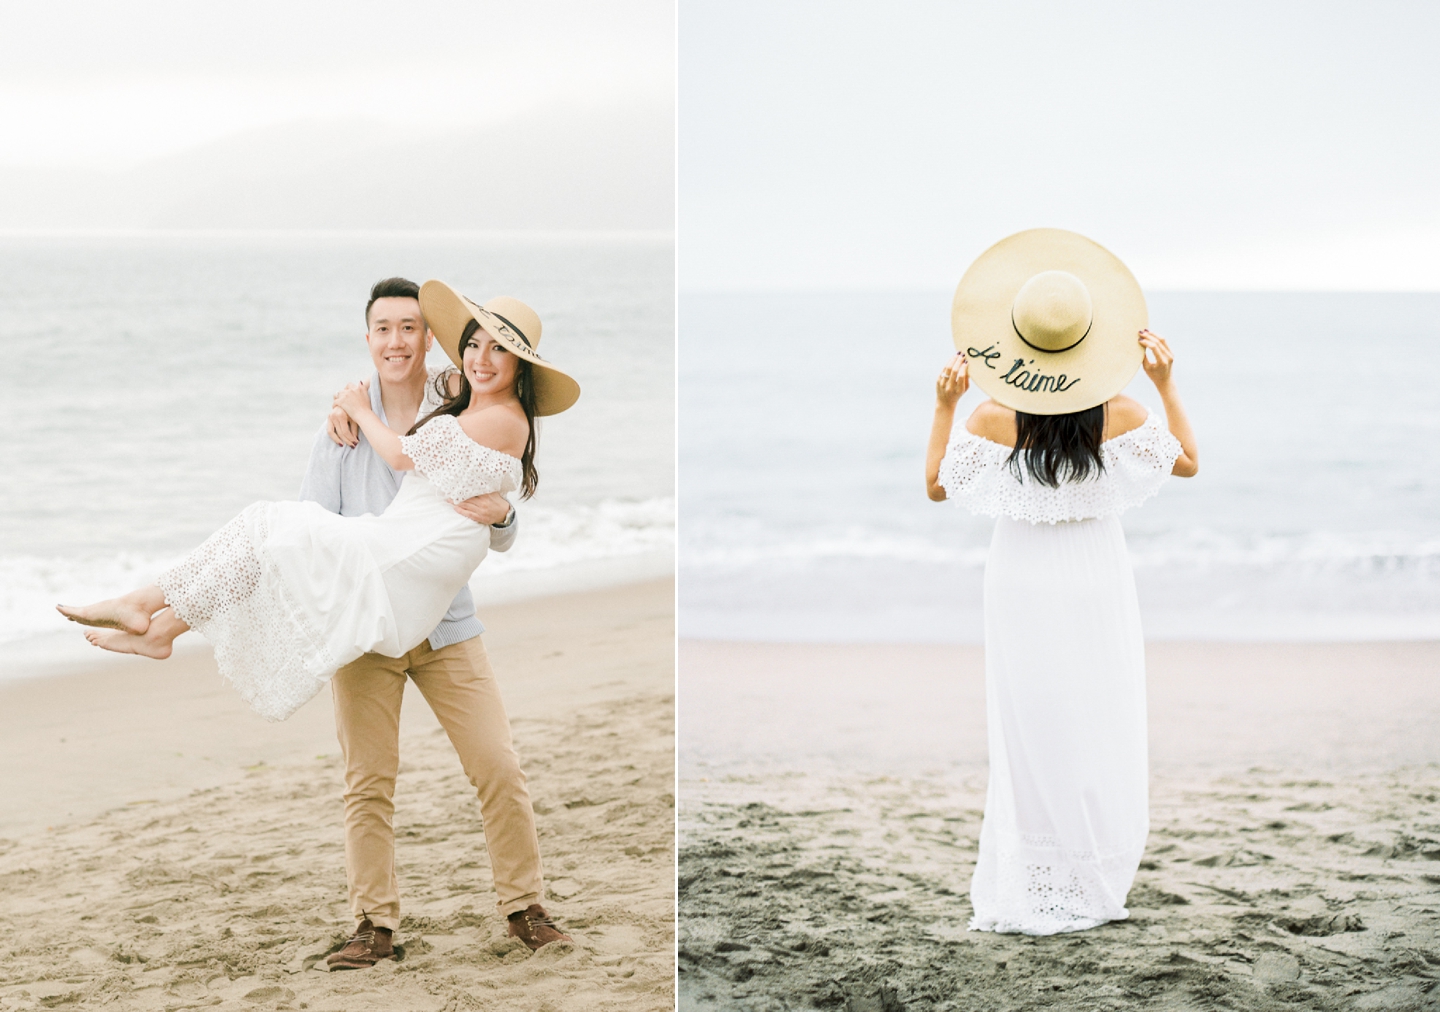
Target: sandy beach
[831,801]
[165,848]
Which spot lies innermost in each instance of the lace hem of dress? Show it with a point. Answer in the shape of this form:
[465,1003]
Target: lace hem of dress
[1042,889]
[456,465]
[974,474]
[264,647]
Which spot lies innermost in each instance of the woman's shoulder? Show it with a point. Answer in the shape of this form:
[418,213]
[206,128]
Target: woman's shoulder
[1123,415]
[499,427]
[992,421]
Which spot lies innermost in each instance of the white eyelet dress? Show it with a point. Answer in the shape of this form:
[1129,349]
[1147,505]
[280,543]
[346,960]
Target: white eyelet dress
[288,592]
[1067,807]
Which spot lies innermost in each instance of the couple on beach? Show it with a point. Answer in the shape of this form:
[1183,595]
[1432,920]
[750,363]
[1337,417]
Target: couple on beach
[1052,327]
[364,582]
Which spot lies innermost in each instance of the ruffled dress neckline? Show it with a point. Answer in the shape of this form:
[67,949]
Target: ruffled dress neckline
[974,474]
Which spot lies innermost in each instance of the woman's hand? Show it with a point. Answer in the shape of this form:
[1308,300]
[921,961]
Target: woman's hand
[354,399]
[949,388]
[341,428]
[1158,361]
[1158,358]
[954,381]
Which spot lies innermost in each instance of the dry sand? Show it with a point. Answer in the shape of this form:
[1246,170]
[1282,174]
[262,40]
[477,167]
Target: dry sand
[168,881]
[830,810]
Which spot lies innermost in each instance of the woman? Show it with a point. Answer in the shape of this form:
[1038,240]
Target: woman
[289,592]
[1048,323]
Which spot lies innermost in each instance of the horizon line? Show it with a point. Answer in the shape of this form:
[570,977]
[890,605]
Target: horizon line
[641,234]
[947,290]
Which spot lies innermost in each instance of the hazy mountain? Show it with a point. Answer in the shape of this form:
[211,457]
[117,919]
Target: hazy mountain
[559,169]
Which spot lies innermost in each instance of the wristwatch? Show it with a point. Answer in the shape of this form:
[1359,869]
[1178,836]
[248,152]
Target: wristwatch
[509,519]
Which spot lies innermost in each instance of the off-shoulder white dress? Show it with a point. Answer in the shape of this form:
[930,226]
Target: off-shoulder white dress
[288,592]
[1067,807]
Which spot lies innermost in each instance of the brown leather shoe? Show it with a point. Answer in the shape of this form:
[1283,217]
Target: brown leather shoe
[534,927]
[365,948]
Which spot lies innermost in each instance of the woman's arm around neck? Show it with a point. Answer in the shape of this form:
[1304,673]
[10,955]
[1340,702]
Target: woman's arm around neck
[355,400]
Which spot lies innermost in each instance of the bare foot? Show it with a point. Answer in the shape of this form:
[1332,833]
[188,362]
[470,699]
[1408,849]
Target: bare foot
[112,614]
[128,643]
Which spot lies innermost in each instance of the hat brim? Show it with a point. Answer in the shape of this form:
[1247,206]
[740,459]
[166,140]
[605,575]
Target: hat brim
[447,313]
[1018,375]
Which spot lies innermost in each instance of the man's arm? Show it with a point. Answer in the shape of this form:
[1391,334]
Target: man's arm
[322,474]
[495,510]
[501,538]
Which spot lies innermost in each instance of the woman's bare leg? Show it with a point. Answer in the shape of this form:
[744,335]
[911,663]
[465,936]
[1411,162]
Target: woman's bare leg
[154,642]
[130,613]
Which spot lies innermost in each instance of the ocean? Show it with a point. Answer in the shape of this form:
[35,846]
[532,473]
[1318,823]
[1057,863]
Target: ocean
[1315,515]
[156,384]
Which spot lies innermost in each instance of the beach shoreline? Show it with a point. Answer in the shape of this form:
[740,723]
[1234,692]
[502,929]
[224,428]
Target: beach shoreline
[830,809]
[176,850]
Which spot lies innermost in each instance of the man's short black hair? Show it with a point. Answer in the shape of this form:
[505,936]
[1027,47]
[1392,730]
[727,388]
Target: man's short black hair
[391,288]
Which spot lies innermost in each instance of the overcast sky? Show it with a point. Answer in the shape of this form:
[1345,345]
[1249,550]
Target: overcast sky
[98,83]
[1260,145]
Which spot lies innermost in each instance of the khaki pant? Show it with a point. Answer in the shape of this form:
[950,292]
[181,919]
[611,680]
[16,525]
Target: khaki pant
[457,682]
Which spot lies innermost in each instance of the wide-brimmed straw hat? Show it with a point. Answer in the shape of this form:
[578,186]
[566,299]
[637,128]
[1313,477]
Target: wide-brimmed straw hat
[509,321]
[1050,322]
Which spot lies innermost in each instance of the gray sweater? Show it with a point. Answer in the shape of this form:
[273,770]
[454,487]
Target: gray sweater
[355,481]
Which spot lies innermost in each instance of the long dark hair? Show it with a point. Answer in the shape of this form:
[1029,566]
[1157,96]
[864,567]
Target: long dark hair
[1058,448]
[524,390]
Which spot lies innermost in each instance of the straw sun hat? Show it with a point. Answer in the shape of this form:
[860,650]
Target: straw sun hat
[1050,322]
[509,321]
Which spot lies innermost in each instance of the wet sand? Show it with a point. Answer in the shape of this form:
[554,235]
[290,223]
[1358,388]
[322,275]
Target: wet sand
[138,878]
[831,801]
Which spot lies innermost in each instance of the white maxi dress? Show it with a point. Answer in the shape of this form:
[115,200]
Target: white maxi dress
[1067,805]
[288,592]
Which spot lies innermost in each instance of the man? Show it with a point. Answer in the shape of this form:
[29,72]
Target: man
[450,669]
